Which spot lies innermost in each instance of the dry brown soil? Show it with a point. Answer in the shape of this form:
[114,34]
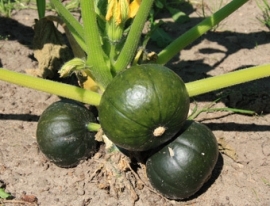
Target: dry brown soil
[241,176]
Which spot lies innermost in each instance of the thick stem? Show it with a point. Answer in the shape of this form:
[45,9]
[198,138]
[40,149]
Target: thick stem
[134,36]
[61,89]
[95,54]
[195,32]
[194,88]
[93,127]
[226,80]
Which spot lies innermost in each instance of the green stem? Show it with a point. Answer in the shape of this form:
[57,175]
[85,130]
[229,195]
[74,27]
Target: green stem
[133,37]
[61,89]
[225,109]
[228,109]
[195,32]
[194,88]
[41,7]
[208,109]
[93,127]
[112,52]
[95,54]
[225,80]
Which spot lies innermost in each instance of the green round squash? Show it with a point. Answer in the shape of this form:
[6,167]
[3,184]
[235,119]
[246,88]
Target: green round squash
[143,107]
[182,166]
[62,133]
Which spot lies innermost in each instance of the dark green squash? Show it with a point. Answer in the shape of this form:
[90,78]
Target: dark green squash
[143,107]
[62,133]
[181,167]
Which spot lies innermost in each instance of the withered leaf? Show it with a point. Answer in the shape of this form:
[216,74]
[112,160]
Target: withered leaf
[50,49]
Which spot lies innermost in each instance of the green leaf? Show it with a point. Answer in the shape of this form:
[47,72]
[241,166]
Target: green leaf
[177,15]
[160,37]
[101,7]
[41,7]
[159,4]
[3,194]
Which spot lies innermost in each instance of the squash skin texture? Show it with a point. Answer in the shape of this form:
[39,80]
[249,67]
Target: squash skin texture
[138,101]
[62,133]
[181,167]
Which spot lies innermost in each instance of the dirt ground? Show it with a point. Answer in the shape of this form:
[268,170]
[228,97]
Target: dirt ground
[241,176]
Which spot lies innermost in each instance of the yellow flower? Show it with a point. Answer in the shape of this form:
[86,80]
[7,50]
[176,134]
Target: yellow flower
[121,10]
[133,8]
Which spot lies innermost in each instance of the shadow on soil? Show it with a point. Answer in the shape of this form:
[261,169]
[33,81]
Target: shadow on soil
[253,95]
[12,30]
[20,117]
[186,69]
[194,70]
[231,126]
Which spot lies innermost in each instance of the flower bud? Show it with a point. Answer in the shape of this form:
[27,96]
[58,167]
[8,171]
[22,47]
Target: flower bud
[118,12]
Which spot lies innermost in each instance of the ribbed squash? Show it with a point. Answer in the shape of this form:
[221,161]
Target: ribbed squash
[62,133]
[143,107]
[181,167]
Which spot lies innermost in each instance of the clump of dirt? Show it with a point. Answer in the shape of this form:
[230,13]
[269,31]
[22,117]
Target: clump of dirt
[241,176]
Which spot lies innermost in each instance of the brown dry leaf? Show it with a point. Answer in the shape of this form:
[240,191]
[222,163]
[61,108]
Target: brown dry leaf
[87,82]
[98,136]
[123,164]
[50,50]
[226,149]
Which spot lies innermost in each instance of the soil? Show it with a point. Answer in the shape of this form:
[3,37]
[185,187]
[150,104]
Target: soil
[241,176]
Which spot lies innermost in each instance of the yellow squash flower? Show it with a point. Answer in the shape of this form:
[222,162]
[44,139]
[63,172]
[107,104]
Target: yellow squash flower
[121,10]
[133,8]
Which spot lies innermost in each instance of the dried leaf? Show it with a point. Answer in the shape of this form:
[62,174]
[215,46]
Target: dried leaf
[226,149]
[49,48]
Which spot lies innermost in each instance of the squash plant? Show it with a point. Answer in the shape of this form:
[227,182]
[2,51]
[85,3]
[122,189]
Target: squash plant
[140,107]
